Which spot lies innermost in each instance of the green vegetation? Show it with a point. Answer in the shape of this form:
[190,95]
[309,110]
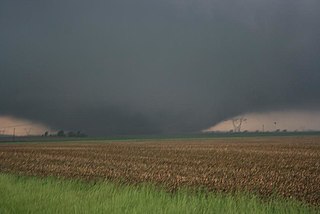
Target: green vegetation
[215,135]
[49,195]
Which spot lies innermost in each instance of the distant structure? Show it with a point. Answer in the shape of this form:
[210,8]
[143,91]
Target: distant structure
[2,131]
[14,134]
[28,130]
[237,123]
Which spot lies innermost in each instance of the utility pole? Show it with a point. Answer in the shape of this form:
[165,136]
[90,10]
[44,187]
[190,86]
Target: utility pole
[28,130]
[2,131]
[237,122]
[14,134]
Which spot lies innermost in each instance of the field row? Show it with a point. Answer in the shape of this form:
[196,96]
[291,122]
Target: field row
[284,165]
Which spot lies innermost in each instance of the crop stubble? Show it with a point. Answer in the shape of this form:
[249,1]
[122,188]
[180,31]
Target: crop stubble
[289,166]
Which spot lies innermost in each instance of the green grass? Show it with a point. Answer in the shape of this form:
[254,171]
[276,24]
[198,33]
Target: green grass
[35,195]
[139,138]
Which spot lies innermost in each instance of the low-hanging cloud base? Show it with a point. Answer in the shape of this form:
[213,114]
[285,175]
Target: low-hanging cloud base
[153,67]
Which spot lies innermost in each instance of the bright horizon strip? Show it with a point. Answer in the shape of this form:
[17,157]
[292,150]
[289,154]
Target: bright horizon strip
[21,127]
[285,120]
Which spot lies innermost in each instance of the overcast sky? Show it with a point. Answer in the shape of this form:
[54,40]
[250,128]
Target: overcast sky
[151,67]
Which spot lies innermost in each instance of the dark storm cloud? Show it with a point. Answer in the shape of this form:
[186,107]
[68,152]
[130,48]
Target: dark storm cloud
[147,66]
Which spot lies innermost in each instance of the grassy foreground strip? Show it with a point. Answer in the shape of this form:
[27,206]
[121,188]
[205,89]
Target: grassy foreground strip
[48,195]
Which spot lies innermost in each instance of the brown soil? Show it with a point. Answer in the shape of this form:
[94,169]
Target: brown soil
[289,166]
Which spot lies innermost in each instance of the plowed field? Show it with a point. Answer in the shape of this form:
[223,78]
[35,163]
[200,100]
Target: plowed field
[289,166]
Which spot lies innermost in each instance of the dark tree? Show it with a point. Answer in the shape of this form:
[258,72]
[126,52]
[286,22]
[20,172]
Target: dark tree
[71,134]
[61,133]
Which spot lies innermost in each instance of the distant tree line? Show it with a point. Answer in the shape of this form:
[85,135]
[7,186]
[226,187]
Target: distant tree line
[62,133]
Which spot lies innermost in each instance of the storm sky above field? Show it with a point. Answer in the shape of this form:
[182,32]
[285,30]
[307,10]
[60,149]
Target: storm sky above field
[153,67]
